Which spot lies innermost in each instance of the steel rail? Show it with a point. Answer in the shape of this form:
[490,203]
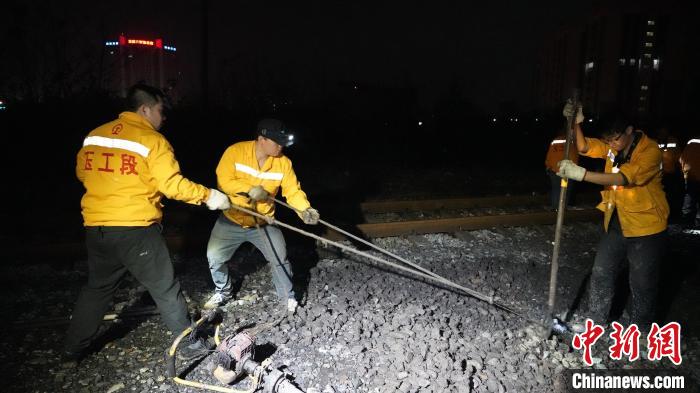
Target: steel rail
[177,241]
[414,227]
[394,206]
[450,203]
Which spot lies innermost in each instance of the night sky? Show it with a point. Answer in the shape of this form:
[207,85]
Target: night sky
[488,49]
[408,61]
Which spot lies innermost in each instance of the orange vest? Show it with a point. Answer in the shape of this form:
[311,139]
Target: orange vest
[555,153]
[670,152]
[690,160]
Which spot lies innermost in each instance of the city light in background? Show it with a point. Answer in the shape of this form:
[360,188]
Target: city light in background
[134,59]
[158,43]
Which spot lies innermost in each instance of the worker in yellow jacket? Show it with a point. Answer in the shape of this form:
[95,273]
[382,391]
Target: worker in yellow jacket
[555,153]
[690,165]
[251,173]
[636,214]
[672,175]
[126,167]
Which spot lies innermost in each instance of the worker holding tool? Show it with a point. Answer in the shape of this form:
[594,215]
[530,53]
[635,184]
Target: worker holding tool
[672,175]
[126,167]
[252,173]
[636,214]
[555,153]
[690,165]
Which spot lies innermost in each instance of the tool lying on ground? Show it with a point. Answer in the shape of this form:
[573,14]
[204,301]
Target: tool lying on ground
[112,316]
[127,313]
[234,358]
[413,268]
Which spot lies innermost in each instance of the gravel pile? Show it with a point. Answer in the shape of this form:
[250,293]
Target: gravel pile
[361,327]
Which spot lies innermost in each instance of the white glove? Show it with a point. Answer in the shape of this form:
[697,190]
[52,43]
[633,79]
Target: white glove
[257,193]
[217,200]
[310,216]
[569,170]
[569,111]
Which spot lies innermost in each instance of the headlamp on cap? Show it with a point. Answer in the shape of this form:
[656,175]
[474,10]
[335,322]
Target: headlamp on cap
[275,130]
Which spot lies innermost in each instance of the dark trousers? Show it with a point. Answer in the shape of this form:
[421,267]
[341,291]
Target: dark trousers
[690,203]
[644,254]
[555,192]
[112,251]
[674,188]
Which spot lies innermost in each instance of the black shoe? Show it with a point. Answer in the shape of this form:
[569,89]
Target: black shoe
[71,359]
[193,348]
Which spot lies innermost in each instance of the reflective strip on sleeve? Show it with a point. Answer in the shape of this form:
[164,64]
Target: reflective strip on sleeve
[671,145]
[694,141]
[260,175]
[114,143]
[558,141]
[661,145]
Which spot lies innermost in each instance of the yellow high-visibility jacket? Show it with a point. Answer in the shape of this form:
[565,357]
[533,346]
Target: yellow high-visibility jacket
[641,204]
[238,171]
[126,167]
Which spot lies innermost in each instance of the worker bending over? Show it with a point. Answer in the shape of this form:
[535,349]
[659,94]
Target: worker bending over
[252,173]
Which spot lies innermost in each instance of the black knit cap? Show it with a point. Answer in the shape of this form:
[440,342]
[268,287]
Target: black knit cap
[276,130]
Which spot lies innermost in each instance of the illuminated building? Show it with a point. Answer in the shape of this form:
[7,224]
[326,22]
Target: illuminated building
[132,60]
[626,58]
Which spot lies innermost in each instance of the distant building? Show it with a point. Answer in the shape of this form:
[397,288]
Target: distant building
[629,58]
[133,60]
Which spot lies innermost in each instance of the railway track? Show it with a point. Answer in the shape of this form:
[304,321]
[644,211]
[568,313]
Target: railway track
[438,215]
[383,219]
[452,203]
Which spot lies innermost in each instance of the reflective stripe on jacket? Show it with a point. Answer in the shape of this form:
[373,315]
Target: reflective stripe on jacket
[641,204]
[238,171]
[126,167]
[555,153]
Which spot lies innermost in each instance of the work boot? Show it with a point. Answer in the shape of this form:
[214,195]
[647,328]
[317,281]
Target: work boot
[216,300]
[71,359]
[194,347]
[577,324]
